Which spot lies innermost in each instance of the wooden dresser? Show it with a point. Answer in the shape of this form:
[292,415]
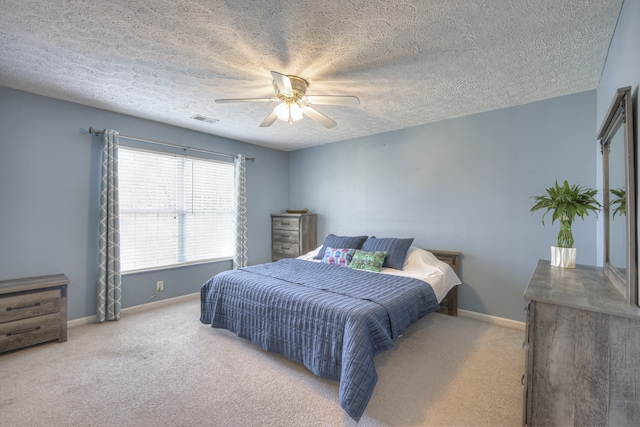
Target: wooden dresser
[582,344]
[292,235]
[33,311]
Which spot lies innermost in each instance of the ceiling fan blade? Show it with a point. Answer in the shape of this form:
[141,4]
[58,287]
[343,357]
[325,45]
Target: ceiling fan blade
[283,82]
[268,121]
[316,115]
[350,101]
[222,101]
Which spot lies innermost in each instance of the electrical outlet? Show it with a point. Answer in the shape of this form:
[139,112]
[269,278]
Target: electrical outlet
[159,285]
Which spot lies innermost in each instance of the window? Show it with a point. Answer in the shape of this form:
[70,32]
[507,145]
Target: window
[173,209]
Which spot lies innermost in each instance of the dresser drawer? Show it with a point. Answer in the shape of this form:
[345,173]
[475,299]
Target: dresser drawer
[284,236]
[29,305]
[290,249]
[25,332]
[285,223]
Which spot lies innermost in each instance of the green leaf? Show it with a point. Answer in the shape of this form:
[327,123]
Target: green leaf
[620,201]
[567,202]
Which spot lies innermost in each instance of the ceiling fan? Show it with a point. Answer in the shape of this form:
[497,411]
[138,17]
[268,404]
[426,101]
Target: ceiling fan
[293,102]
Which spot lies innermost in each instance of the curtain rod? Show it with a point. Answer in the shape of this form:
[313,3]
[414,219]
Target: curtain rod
[166,144]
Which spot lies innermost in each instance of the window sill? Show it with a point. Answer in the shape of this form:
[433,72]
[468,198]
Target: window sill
[172,266]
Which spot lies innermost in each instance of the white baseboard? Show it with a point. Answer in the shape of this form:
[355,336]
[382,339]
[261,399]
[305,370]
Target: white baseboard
[136,308]
[500,321]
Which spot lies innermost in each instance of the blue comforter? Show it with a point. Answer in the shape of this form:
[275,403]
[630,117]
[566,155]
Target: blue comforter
[332,319]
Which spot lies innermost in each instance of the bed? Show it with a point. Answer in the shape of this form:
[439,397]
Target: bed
[329,317]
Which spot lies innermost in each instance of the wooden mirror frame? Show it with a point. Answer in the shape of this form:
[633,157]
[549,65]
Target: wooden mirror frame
[620,115]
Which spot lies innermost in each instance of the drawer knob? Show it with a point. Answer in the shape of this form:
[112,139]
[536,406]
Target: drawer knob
[23,307]
[24,331]
[282,247]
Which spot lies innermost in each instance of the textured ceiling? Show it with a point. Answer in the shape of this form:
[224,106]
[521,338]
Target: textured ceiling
[409,62]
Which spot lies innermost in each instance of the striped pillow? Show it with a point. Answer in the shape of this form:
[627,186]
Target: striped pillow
[396,250]
[334,241]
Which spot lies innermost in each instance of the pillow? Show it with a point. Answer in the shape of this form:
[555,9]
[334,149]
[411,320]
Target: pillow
[341,256]
[371,261]
[310,256]
[341,242]
[419,258]
[424,265]
[396,250]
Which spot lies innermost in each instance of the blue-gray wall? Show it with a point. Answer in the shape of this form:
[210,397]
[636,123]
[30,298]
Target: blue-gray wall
[49,196]
[464,185]
[622,67]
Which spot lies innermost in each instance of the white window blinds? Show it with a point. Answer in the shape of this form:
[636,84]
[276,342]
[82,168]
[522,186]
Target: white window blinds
[173,209]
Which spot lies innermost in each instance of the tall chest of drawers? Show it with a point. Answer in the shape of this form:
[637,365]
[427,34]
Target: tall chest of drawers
[32,311]
[292,235]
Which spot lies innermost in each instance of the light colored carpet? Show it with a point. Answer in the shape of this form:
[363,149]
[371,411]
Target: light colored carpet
[162,367]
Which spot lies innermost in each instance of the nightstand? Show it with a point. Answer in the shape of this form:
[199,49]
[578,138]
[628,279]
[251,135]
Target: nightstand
[33,311]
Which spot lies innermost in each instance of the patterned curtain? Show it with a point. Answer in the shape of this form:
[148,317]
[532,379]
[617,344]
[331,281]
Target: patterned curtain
[240,258]
[109,301]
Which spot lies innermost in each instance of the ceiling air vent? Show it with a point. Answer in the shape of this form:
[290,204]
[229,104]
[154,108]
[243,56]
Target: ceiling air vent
[204,118]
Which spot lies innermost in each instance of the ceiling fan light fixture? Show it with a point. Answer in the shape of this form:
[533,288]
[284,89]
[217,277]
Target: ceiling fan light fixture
[288,112]
[293,103]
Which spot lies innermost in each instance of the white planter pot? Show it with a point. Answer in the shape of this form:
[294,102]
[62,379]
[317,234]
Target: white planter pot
[563,257]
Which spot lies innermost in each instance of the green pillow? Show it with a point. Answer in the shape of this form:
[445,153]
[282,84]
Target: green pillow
[371,261]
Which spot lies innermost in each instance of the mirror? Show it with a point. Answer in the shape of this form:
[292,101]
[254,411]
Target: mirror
[617,204]
[618,174]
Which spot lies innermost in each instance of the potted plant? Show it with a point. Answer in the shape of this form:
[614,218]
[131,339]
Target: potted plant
[567,202]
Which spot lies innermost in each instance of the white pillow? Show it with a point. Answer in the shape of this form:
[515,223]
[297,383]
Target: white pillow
[417,257]
[424,265]
[309,256]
